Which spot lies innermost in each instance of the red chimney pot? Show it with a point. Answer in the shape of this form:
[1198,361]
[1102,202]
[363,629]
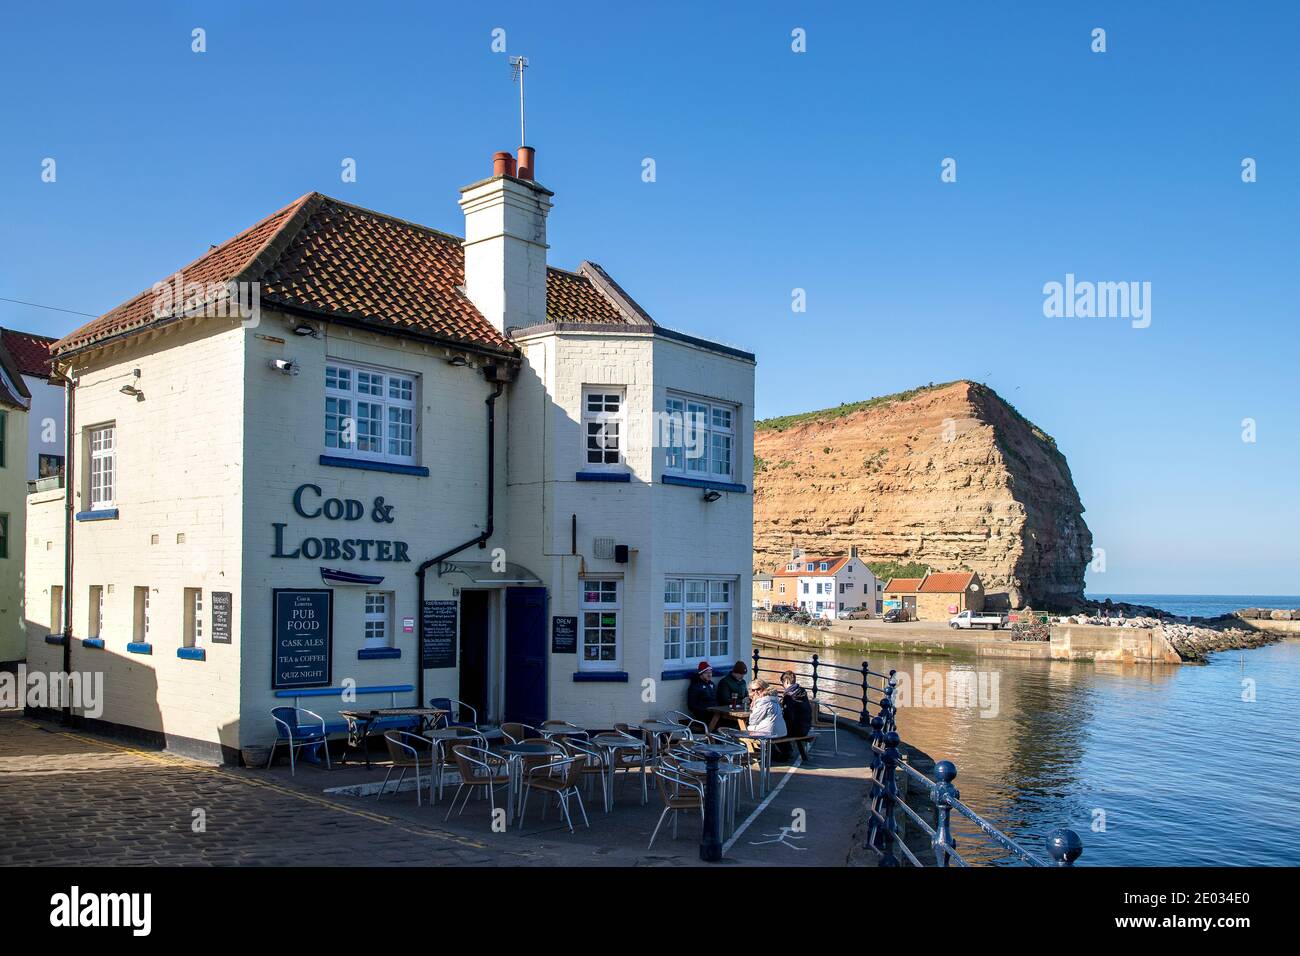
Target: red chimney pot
[527,162]
[503,164]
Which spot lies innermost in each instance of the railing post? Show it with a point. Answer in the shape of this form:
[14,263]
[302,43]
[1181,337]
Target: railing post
[711,838]
[887,825]
[814,676]
[754,674]
[1065,846]
[863,718]
[942,794]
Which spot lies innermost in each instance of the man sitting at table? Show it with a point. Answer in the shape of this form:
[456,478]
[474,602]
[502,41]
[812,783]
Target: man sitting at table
[702,695]
[765,719]
[731,689]
[797,709]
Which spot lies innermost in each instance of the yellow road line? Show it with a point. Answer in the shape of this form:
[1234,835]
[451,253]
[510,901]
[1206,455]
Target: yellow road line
[175,760]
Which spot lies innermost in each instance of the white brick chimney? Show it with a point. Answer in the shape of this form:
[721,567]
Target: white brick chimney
[505,243]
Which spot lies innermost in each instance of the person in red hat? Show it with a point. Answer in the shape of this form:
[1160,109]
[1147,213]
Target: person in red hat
[702,695]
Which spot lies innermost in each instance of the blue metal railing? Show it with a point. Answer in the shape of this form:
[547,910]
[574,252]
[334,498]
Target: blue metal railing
[885,802]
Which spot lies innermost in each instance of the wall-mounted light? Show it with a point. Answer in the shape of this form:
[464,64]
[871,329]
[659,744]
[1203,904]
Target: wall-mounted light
[712,495]
[131,390]
[457,361]
[305,329]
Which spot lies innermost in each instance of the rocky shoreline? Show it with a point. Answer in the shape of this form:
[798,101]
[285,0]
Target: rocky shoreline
[1194,638]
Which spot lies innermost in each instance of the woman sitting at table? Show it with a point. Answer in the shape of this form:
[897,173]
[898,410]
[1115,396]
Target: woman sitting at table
[765,718]
[702,695]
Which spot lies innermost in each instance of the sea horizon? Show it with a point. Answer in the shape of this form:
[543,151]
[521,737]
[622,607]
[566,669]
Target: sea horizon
[1202,605]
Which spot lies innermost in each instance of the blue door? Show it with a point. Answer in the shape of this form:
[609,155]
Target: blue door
[525,690]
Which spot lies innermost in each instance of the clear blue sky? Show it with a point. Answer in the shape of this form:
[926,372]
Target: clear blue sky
[775,170]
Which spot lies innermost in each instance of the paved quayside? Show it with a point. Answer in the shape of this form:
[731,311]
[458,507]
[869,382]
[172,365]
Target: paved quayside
[69,797]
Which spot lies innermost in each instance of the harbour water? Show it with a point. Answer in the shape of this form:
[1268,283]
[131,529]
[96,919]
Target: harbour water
[1151,765]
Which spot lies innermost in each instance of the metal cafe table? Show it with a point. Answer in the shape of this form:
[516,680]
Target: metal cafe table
[612,745]
[514,769]
[653,729]
[360,723]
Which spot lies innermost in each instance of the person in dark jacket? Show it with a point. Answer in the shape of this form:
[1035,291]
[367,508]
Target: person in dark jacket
[797,709]
[702,695]
[732,688]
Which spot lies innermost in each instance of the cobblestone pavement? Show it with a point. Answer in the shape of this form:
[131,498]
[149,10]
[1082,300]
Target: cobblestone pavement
[69,798]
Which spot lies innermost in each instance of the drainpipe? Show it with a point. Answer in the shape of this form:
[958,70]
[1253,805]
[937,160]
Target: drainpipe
[480,539]
[69,430]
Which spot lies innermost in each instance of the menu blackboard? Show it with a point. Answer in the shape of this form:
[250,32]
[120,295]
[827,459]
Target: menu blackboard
[438,634]
[222,611]
[564,635]
[302,637]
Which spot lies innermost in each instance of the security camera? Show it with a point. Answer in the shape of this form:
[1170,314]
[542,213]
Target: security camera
[285,366]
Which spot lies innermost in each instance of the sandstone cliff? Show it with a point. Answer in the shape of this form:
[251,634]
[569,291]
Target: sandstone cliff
[948,475]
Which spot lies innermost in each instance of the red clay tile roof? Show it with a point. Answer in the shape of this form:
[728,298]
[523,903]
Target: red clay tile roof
[13,392]
[903,585]
[227,261]
[947,582]
[330,257]
[30,352]
[570,297]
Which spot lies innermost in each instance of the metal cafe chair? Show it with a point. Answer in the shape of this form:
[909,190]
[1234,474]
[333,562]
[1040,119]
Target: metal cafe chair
[678,793]
[444,755]
[564,785]
[479,768]
[455,712]
[820,722]
[407,750]
[291,729]
[517,733]
[593,766]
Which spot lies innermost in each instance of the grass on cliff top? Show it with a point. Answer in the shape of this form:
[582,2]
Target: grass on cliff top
[782,422]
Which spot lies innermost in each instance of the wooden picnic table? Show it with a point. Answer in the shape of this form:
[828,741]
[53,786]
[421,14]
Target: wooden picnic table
[741,717]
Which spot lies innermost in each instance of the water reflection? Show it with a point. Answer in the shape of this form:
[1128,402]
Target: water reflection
[1130,756]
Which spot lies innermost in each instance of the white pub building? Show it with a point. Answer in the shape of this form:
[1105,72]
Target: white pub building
[342,450]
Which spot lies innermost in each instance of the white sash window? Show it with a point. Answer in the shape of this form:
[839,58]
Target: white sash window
[370,413]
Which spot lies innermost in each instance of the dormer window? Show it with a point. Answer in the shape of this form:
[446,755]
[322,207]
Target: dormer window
[825,566]
[811,566]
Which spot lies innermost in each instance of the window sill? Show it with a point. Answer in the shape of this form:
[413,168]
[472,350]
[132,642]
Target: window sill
[134,648]
[378,653]
[92,642]
[102,514]
[336,461]
[623,476]
[600,677]
[192,653]
[54,639]
[705,483]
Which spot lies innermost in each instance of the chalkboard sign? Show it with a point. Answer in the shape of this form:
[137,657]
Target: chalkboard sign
[564,635]
[222,611]
[302,637]
[438,634]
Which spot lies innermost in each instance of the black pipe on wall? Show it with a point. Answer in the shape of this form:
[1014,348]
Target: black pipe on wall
[479,539]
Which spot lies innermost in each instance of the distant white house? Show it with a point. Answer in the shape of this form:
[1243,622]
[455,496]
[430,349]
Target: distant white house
[826,585]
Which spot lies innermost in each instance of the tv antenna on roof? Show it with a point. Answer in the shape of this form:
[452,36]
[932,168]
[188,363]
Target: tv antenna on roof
[517,66]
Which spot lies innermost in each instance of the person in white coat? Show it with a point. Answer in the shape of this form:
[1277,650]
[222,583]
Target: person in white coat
[765,717]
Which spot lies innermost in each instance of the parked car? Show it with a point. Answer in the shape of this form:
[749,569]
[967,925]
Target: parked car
[968,619]
[894,615]
[858,614]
